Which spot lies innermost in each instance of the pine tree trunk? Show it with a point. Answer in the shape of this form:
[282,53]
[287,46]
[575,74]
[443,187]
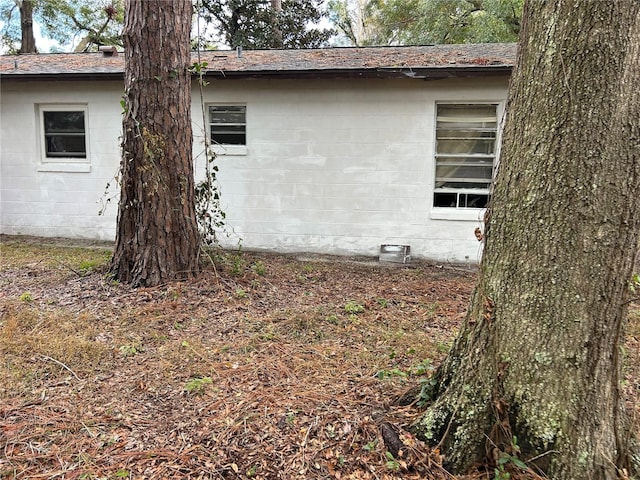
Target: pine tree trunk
[28,43]
[539,355]
[157,236]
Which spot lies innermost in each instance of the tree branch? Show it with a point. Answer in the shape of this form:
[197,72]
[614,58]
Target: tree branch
[46,357]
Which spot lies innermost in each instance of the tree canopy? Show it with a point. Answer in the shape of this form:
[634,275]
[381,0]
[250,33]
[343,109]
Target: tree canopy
[259,24]
[420,22]
[83,24]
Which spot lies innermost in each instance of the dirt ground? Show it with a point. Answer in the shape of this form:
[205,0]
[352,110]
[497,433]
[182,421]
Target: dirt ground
[266,366]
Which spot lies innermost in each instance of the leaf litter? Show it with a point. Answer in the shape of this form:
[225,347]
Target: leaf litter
[268,366]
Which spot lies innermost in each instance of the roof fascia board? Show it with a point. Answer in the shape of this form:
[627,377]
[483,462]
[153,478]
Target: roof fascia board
[426,73]
[43,77]
[420,72]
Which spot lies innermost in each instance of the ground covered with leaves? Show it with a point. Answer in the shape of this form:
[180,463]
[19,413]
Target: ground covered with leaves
[265,366]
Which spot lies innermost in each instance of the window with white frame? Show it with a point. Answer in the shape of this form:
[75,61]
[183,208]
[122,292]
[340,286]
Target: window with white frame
[228,124]
[466,136]
[63,133]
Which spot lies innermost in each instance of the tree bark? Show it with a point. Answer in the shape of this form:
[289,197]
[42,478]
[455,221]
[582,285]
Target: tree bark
[157,236]
[276,7]
[538,358]
[28,43]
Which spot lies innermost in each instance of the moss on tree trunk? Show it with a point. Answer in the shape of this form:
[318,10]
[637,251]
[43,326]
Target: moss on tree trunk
[539,355]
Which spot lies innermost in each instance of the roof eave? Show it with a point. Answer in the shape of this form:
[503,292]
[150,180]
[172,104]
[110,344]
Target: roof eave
[424,73]
[382,72]
[73,76]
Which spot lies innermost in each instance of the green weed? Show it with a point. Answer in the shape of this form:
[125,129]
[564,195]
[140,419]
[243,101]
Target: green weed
[423,368]
[259,268]
[353,308]
[197,385]
[394,372]
[87,266]
[26,297]
[371,446]
[236,264]
[129,350]
[443,347]
[508,461]
[332,319]
[428,390]
[268,334]
[290,417]
[252,471]
[382,302]
[392,464]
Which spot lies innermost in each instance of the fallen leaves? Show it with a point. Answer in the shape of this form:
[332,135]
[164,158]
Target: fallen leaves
[192,380]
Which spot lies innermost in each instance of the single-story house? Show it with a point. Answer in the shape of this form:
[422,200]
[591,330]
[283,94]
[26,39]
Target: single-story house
[328,151]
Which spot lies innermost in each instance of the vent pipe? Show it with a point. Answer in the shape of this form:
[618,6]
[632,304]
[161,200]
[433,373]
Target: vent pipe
[108,50]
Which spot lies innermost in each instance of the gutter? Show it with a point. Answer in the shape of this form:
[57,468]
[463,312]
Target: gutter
[382,72]
[420,73]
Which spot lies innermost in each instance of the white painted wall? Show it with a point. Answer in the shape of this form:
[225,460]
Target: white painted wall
[331,166]
[57,203]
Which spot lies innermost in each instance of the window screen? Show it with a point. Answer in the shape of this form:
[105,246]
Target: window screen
[228,124]
[465,154]
[64,133]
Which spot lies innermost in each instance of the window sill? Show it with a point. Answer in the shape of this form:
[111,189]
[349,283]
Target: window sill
[465,214]
[64,167]
[229,150]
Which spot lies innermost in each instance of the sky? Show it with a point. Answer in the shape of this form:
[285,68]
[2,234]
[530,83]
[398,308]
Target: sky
[44,44]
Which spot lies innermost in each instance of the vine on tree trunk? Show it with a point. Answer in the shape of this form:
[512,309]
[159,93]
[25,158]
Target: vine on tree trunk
[210,216]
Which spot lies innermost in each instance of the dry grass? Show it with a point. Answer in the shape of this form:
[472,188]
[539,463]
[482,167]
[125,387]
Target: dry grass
[278,367]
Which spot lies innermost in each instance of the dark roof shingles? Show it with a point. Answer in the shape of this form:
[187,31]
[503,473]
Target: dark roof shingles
[259,62]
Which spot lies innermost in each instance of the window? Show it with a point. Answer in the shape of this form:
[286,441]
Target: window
[228,124]
[64,133]
[465,154]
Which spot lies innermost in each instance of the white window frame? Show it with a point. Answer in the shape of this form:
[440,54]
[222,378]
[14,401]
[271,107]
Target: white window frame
[458,212]
[63,163]
[224,149]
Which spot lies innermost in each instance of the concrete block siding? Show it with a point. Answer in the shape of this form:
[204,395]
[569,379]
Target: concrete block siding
[46,199]
[331,166]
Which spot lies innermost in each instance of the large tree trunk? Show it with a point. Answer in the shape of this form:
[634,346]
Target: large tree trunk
[28,44]
[157,238]
[538,357]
